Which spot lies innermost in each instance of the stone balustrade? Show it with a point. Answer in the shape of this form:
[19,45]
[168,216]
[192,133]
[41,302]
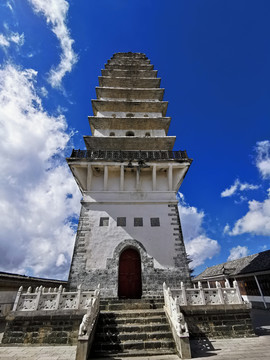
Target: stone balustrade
[208,296]
[87,328]
[201,297]
[177,323]
[52,299]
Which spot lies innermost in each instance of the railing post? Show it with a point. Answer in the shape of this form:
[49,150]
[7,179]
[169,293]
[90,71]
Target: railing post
[201,293]
[184,293]
[17,298]
[59,292]
[220,293]
[79,292]
[237,290]
[38,297]
[170,298]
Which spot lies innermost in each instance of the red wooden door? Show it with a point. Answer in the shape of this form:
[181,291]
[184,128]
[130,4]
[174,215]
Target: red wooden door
[129,281]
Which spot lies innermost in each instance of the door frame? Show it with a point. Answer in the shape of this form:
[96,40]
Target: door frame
[140,276]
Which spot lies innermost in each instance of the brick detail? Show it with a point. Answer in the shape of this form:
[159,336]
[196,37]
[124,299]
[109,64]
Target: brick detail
[218,321]
[53,328]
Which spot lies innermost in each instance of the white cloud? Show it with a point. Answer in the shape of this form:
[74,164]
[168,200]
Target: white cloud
[198,246]
[61,260]
[16,38]
[231,190]
[263,158]
[38,195]
[55,12]
[238,186]
[4,41]
[238,252]
[9,5]
[226,229]
[256,220]
[44,91]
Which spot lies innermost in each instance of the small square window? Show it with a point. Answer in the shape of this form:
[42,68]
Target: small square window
[155,222]
[121,221]
[138,221]
[104,221]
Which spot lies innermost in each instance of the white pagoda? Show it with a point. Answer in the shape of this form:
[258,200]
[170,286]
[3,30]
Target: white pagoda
[129,237]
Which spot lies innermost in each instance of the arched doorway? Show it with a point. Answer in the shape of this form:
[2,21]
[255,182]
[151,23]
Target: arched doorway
[129,279]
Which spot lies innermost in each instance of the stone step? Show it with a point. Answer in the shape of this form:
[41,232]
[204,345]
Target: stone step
[132,315]
[132,328]
[130,305]
[135,320]
[112,337]
[132,353]
[132,301]
[134,345]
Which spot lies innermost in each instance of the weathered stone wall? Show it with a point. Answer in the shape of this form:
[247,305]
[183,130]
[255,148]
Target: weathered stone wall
[218,321]
[39,328]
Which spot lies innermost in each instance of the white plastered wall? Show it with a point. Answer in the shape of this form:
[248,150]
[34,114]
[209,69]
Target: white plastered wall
[101,241]
[140,133]
[124,114]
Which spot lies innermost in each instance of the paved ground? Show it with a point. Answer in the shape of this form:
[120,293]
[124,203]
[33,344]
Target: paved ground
[256,348]
[37,352]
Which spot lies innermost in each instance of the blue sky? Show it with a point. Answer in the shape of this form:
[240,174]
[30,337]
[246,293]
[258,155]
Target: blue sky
[213,58]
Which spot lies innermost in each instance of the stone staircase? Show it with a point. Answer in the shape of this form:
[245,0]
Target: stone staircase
[132,328]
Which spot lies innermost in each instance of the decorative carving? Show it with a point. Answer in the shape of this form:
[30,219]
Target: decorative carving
[84,324]
[89,318]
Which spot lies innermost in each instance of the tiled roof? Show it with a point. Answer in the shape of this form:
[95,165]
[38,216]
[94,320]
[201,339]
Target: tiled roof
[249,264]
[11,276]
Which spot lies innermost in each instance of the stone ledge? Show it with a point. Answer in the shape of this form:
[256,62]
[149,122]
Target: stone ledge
[200,309]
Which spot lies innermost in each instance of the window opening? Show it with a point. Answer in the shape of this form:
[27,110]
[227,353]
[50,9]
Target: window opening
[155,222]
[121,221]
[138,221]
[104,221]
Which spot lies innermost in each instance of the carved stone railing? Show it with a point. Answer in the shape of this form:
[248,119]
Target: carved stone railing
[119,155]
[87,327]
[208,296]
[52,299]
[177,323]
